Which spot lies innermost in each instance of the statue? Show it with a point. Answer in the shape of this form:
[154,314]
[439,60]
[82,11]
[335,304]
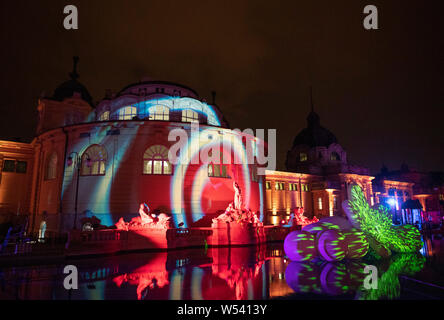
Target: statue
[298,218]
[238,200]
[236,212]
[145,220]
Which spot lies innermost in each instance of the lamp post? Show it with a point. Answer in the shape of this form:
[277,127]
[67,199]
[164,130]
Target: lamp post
[78,165]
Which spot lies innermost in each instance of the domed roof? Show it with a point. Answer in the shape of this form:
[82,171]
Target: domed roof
[68,88]
[314,135]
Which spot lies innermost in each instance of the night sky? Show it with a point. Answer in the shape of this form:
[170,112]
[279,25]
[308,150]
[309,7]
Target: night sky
[380,92]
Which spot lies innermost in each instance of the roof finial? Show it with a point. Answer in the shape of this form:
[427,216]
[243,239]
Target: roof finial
[213,94]
[311,99]
[74,75]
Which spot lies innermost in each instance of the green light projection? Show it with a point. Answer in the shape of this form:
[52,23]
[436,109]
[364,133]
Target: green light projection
[376,223]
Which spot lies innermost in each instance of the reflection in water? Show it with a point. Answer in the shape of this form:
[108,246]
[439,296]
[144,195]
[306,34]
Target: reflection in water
[388,283]
[214,274]
[148,277]
[341,278]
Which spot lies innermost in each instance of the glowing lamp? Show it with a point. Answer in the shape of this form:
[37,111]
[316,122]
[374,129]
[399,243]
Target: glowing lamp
[391,202]
[331,245]
[300,246]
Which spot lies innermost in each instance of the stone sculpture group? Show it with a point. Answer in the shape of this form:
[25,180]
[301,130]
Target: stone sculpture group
[236,211]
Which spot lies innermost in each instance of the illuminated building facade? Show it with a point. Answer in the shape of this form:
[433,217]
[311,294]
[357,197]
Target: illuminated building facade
[318,178]
[16,175]
[106,159]
[397,186]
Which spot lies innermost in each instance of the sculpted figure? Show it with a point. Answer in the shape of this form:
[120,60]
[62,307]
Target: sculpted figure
[238,201]
[145,218]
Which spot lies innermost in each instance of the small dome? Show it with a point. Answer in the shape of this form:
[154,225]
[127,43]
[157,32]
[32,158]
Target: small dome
[68,88]
[314,135]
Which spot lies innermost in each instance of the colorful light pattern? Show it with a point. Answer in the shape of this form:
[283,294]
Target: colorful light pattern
[357,244]
[388,282]
[300,246]
[331,245]
[377,223]
[231,143]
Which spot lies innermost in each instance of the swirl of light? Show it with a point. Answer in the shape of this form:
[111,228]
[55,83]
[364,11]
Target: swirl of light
[236,146]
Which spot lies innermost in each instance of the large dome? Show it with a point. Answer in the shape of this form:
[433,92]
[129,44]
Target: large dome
[314,135]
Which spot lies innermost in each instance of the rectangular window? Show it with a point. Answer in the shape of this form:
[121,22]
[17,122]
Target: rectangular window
[159,112]
[189,115]
[148,167]
[157,167]
[280,186]
[320,203]
[9,166]
[95,167]
[102,167]
[167,168]
[303,157]
[223,171]
[268,185]
[218,171]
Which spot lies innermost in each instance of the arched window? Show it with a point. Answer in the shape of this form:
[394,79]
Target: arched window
[159,112]
[104,116]
[334,156]
[127,113]
[189,115]
[51,167]
[155,161]
[94,161]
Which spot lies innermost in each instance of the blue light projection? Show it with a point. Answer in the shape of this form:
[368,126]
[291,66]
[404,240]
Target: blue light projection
[98,198]
[173,104]
[189,152]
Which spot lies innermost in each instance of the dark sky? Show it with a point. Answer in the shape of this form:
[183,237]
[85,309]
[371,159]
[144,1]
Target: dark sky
[380,92]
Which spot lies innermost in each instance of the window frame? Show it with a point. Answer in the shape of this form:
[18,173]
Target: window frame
[164,115]
[53,169]
[123,114]
[190,118]
[157,155]
[101,162]
[9,161]
[102,116]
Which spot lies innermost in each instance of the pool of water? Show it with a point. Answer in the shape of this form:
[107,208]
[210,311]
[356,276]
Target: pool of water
[253,273]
